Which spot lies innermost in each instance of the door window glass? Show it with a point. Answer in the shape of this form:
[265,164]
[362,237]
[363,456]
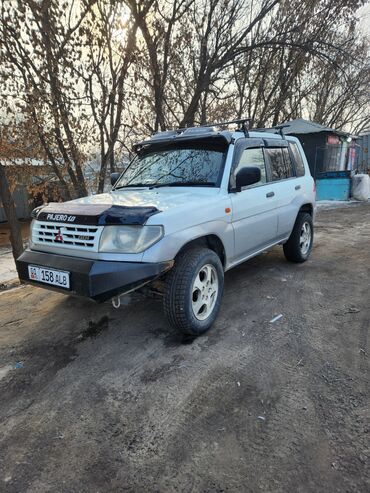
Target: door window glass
[299,165]
[254,158]
[281,166]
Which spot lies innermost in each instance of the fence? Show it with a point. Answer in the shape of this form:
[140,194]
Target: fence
[363,155]
[20,196]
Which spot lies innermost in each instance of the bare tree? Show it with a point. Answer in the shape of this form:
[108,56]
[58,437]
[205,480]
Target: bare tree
[341,99]
[303,43]
[219,57]
[158,22]
[111,50]
[40,44]
[95,74]
[10,211]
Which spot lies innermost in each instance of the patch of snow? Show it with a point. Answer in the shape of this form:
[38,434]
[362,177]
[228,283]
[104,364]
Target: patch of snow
[332,204]
[8,270]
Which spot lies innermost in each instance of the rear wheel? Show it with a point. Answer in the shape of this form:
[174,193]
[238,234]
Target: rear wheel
[298,247]
[193,291]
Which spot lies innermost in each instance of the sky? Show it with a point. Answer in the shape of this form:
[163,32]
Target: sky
[364,15]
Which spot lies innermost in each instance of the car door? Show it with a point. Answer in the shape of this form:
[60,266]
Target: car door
[254,217]
[284,185]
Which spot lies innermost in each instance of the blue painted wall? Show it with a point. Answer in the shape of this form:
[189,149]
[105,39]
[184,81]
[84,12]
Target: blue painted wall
[333,188]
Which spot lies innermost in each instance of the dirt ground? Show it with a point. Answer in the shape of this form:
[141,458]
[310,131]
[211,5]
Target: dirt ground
[106,400]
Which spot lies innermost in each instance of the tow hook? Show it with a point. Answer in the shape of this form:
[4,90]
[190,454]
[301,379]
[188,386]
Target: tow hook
[116,302]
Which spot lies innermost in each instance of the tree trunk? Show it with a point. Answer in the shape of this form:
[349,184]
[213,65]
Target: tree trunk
[10,212]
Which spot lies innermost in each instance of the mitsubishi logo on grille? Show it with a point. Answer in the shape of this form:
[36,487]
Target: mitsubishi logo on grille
[58,236]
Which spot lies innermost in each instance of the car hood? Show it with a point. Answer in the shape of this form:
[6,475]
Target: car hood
[161,198]
[134,207]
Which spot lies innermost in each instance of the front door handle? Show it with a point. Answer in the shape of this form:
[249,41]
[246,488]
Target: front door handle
[298,187]
[270,194]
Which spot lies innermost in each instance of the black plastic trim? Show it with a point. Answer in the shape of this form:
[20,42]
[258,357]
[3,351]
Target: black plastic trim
[183,137]
[95,279]
[275,142]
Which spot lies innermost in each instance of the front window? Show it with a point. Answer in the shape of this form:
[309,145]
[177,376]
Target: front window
[185,166]
[253,157]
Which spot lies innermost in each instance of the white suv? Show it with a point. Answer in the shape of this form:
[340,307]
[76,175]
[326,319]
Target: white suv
[192,204]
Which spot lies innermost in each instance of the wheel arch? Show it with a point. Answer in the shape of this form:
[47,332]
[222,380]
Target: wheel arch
[211,241]
[307,208]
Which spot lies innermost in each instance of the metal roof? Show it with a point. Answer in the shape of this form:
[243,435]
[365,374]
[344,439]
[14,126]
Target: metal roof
[301,126]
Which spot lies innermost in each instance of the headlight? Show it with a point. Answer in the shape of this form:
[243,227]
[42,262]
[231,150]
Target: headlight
[129,239]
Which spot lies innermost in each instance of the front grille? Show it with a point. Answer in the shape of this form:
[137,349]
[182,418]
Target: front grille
[65,235]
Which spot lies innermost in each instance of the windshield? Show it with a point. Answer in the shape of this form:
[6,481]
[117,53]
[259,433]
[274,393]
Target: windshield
[175,167]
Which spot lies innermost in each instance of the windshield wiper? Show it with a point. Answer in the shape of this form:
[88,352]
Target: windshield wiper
[184,184]
[170,184]
[135,185]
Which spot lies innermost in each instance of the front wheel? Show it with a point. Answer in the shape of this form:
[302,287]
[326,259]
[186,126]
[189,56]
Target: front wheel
[298,247]
[193,291]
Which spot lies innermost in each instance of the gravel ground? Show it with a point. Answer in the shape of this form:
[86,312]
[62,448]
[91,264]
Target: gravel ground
[101,400]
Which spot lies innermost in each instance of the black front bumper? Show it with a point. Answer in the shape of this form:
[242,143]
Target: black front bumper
[95,279]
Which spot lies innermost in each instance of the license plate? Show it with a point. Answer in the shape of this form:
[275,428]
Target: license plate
[49,276]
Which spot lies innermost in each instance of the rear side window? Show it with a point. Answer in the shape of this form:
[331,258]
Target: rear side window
[281,165]
[253,157]
[299,165]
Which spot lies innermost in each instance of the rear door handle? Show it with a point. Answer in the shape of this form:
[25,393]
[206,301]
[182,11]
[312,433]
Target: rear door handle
[270,194]
[298,187]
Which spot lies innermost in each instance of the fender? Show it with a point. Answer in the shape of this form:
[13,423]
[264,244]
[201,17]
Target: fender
[171,244]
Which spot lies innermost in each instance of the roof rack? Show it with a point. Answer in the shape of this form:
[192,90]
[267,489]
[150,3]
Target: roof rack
[277,128]
[243,122]
[186,133]
[280,128]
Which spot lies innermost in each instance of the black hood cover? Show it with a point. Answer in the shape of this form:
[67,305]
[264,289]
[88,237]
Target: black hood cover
[93,214]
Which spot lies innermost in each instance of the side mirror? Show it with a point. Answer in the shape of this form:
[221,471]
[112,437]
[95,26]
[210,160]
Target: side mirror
[114,177]
[247,176]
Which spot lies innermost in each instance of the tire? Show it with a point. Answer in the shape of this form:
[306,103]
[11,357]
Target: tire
[298,247]
[185,299]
